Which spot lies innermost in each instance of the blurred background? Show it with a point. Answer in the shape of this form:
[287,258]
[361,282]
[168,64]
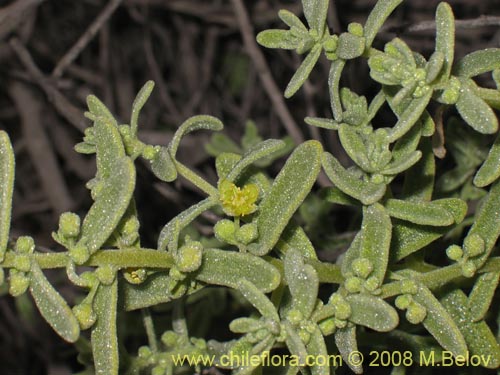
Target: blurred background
[203,59]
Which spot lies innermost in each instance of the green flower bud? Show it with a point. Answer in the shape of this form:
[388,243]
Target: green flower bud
[22,262]
[19,283]
[473,245]
[339,323]
[169,339]
[468,269]
[247,233]
[355,28]
[294,316]
[454,252]
[85,315]
[353,284]
[130,231]
[69,225]
[176,274]
[409,287]
[343,311]
[106,274]
[225,231]
[149,152]
[377,178]
[335,299]
[327,327]
[371,284]
[79,254]
[144,352]
[189,257]
[135,275]
[362,267]
[416,313]
[199,343]
[403,301]
[330,43]
[25,244]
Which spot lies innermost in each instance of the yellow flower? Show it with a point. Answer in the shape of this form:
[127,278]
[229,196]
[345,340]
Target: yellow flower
[236,201]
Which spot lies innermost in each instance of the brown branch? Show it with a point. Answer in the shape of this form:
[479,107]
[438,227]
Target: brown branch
[85,38]
[264,72]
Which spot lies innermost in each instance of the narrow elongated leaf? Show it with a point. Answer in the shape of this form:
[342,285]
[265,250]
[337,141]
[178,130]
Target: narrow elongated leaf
[445,36]
[170,233]
[423,213]
[490,170]
[193,123]
[98,109]
[294,237]
[244,325]
[455,206]
[366,192]
[410,116]
[350,46]
[317,348]
[352,253]
[334,88]
[315,12]
[487,222]
[110,205]
[258,299]
[419,180]
[277,39]
[256,152]
[7,170]
[302,281]
[353,144]
[302,73]
[434,67]
[478,62]
[481,296]
[402,164]
[345,339]
[288,191]
[376,231]
[139,101]
[372,312]
[295,344]
[291,20]
[407,144]
[52,306]
[163,166]
[104,333]
[228,268]
[380,12]
[335,195]
[109,146]
[320,122]
[476,112]
[480,340]
[439,323]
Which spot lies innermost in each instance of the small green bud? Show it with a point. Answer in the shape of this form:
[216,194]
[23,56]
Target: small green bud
[199,343]
[355,28]
[377,178]
[330,43]
[409,287]
[225,231]
[69,225]
[468,269]
[85,315]
[189,257]
[135,275]
[149,152]
[371,283]
[170,339]
[22,262]
[353,284]
[343,311]
[106,274]
[416,313]
[339,323]
[176,275]
[403,301]
[473,245]
[273,326]
[362,267]
[19,283]
[79,254]
[294,317]
[247,233]
[25,244]
[261,334]
[327,327]
[144,352]
[313,34]
[454,252]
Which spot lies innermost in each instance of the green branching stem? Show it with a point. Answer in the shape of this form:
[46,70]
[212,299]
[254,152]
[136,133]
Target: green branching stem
[195,179]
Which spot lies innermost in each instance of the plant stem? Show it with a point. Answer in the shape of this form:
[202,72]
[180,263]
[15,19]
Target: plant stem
[195,179]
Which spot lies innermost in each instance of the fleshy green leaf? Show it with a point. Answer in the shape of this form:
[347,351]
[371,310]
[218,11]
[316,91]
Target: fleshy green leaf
[423,213]
[376,231]
[350,46]
[445,36]
[439,323]
[163,166]
[345,339]
[324,123]
[303,282]
[334,88]
[335,195]
[139,101]
[303,71]
[481,296]
[364,191]
[98,109]
[490,170]
[277,39]
[256,152]
[478,62]
[476,112]
[480,340]
[110,205]
[295,344]
[244,325]
[402,164]
[410,116]
[109,146]
[52,306]
[104,333]
[7,170]
[288,191]
[372,312]
[380,12]
[419,180]
[228,268]
[291,20]
[294,237]
[353,144]
[434,67]
[315,12]
[258,299]
[193,123]
[317,348]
